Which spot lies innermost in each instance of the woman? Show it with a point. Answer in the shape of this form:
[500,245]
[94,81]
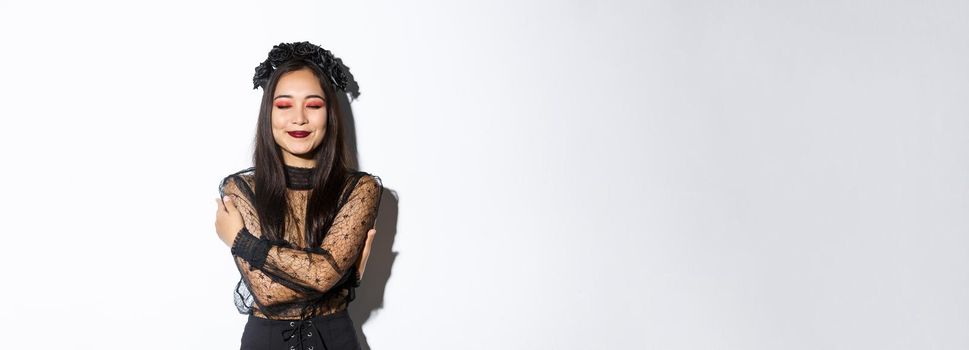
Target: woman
[299,222]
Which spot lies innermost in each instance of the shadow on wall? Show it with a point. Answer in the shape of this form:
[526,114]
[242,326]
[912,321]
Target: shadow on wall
[370,294]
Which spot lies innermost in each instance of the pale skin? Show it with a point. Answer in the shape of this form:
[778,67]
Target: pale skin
[298,105]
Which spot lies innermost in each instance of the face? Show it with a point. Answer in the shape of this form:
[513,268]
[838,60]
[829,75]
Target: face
[299,116]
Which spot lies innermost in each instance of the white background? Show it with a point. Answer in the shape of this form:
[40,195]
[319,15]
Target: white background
[560,175]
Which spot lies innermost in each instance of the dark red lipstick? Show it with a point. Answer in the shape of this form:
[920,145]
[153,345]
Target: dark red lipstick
[298,134]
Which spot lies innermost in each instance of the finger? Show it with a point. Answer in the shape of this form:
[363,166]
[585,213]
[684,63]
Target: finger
[218,214]
[229,204]
[366,252]
[370,236]
[360,271]
[367,245]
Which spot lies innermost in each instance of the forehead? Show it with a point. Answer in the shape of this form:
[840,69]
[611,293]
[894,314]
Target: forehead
[298,83]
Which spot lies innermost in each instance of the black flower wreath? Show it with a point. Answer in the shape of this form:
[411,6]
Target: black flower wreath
[332,66]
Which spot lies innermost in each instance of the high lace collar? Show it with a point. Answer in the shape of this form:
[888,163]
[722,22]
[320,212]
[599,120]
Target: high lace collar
[298,178]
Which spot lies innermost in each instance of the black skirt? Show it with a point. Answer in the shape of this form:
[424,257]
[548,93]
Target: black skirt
[326,332]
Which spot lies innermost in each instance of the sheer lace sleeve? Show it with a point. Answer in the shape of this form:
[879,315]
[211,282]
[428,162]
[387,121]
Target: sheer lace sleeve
[322,268]
[258,285]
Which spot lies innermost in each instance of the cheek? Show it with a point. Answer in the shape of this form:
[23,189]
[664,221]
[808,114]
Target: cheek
[276,122]
[277,133]
[278,130]
[278,118]
[319,120]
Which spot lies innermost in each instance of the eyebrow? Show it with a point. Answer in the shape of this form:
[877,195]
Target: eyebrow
[307,96]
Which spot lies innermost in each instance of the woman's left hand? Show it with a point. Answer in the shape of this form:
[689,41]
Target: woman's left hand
[362,261]
[228,220]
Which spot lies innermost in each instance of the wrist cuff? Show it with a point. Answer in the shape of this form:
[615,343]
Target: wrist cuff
[250,248]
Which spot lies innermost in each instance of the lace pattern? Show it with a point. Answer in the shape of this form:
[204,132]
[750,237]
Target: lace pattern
[285,279]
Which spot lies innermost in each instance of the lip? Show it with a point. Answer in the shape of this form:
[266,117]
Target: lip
[298,134]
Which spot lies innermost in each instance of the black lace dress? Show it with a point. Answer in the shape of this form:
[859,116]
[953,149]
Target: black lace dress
[296,296]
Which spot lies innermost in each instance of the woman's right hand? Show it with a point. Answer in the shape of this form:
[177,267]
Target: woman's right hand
[362,262]
[228,220]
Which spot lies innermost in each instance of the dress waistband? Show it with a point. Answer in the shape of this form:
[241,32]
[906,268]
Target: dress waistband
[290,323]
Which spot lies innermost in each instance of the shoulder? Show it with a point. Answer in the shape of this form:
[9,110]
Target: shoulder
[367,189]
[365,180]
[231,183]
[361,184]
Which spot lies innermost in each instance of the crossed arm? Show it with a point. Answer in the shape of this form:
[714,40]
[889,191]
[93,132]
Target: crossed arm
[278,273]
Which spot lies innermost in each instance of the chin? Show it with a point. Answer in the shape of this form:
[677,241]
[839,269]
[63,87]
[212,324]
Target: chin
[301,150]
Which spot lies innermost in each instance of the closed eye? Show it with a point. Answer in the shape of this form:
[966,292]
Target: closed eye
[313,107]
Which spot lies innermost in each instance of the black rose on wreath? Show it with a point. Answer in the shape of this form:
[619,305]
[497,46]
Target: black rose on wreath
[326,58]
[279,54]
[332,66]
[338,75]
[305,49]
[262,74]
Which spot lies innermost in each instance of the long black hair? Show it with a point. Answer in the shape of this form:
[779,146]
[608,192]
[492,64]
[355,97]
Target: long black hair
[331,167]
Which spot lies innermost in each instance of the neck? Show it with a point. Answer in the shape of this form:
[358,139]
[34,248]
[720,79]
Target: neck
[299,162]
[299,178]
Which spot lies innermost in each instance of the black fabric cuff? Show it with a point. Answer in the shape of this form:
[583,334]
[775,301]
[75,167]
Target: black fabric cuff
[250,248]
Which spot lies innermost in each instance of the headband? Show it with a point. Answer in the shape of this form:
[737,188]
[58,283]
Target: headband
[332,66]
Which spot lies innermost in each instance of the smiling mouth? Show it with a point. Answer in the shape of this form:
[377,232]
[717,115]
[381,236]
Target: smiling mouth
[298,134]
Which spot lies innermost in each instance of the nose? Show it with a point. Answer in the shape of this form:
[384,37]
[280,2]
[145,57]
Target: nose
[300,117]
